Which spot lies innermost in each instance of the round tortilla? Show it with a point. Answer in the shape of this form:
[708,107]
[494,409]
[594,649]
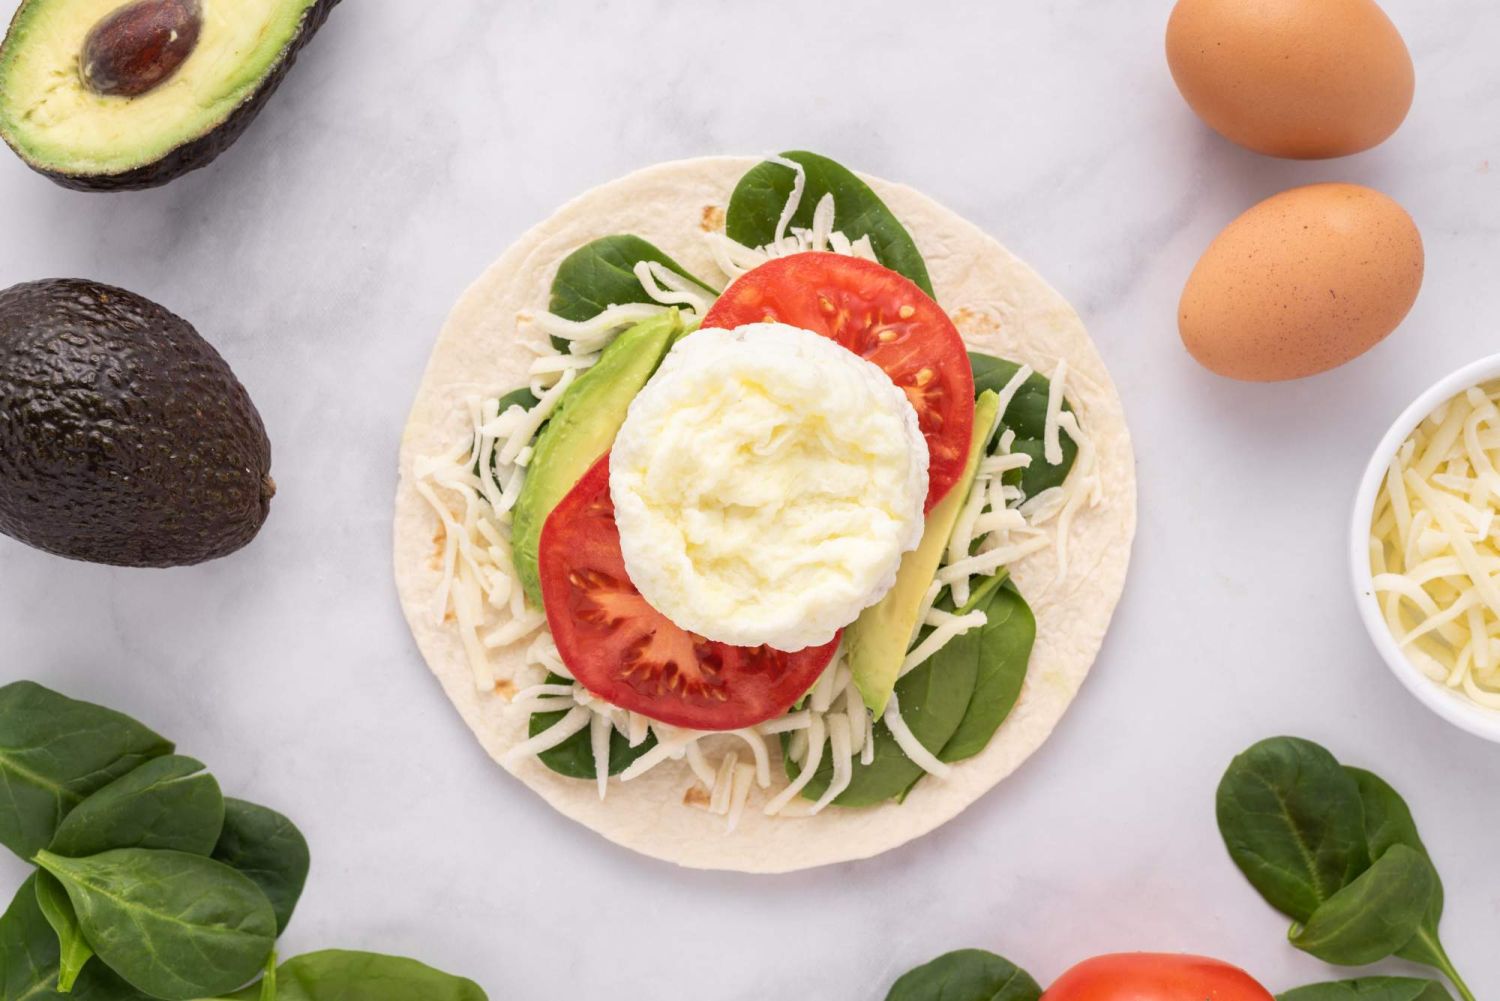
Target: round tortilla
[1000,306]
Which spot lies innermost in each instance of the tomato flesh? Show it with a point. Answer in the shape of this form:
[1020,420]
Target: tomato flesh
[884,318]
[1155,976]
[632,656]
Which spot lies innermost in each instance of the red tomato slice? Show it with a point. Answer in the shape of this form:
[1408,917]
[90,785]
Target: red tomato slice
[882,317]
[631,655]
[1155,976]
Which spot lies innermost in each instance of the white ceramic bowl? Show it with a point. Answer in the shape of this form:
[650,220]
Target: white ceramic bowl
[1452,706]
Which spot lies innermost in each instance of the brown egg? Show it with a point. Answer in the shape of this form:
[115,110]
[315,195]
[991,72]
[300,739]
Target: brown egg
[1301,283]
[1296,78]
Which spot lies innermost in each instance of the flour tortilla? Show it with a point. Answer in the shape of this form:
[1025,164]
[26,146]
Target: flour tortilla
[999,305]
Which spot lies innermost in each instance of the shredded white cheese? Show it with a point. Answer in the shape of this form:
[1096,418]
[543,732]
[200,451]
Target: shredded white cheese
[1433,548]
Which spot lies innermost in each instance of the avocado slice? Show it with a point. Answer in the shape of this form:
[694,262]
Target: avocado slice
[124,437]
[100,95]
[878,640]
[581,429]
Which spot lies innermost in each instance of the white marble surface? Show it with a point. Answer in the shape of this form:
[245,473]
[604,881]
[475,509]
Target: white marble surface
[418,139]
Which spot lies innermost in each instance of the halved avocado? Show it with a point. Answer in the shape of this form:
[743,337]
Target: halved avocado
[105,95]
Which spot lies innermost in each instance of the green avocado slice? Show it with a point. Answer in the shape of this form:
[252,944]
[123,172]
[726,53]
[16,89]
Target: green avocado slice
[581,430]
[878,640]
[108,95]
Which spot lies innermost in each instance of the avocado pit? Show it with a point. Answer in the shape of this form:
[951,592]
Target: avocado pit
[139,47]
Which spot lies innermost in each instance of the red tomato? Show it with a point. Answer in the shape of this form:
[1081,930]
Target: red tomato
[882,317]
[1155,976]
[631,655]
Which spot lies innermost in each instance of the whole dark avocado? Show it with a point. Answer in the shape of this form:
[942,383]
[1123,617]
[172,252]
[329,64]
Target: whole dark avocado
[147,92]
[124,436]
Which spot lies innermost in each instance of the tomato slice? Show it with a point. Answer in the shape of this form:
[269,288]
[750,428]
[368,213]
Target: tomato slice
[882,317]
[631,655]
[1155,976]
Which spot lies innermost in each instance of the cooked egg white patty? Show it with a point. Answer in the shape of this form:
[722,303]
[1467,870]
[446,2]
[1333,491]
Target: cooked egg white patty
[766,483]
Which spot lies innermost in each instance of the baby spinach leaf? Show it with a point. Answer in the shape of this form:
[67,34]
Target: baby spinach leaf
[601,274]
[341,975]
[761,196]
[74,949]
[29,959]
[1292,820]
[169,802]
[1370,989]
[1001,650]
[1388,822]
[1026,415]
[933,697]
[260,843]
[523,396]
[1374,915]
[966,975]
[574,757]
[173,925]
[54,753]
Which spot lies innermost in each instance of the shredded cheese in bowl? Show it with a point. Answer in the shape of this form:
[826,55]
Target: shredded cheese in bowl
[1434,546]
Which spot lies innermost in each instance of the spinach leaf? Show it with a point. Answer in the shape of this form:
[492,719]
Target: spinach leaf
[169,802]
[1388,822]
[260,843]
[601,274]
[339,975]
[574,757]
[1292,820]
[1374,915]
[1001,650]
[29,959]
[1371,989]
[1026,415]
[933,696]
[173,925]
[762,194]
[966,975]
[523,396]
[74,949]
[55,752]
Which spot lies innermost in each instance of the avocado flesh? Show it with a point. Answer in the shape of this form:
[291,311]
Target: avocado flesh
[581,429]
[879,639]
[86,140]
[124,437]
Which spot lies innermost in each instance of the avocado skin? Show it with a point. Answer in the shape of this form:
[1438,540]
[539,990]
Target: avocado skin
[206,148]
[124,436]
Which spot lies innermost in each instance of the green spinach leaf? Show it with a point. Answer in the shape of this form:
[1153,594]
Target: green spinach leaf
[574,757]
[601,274]
[260,843]
[1001,650]
[74,949]
[1374,915]
[933,697]
[169,802]
[1292,820]
[1026,415]
[54,753]
[29,959]
[1388,822]
[966,975]
[1371,989]
[339,975]
[761,196]
[523,397]
[173,925]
